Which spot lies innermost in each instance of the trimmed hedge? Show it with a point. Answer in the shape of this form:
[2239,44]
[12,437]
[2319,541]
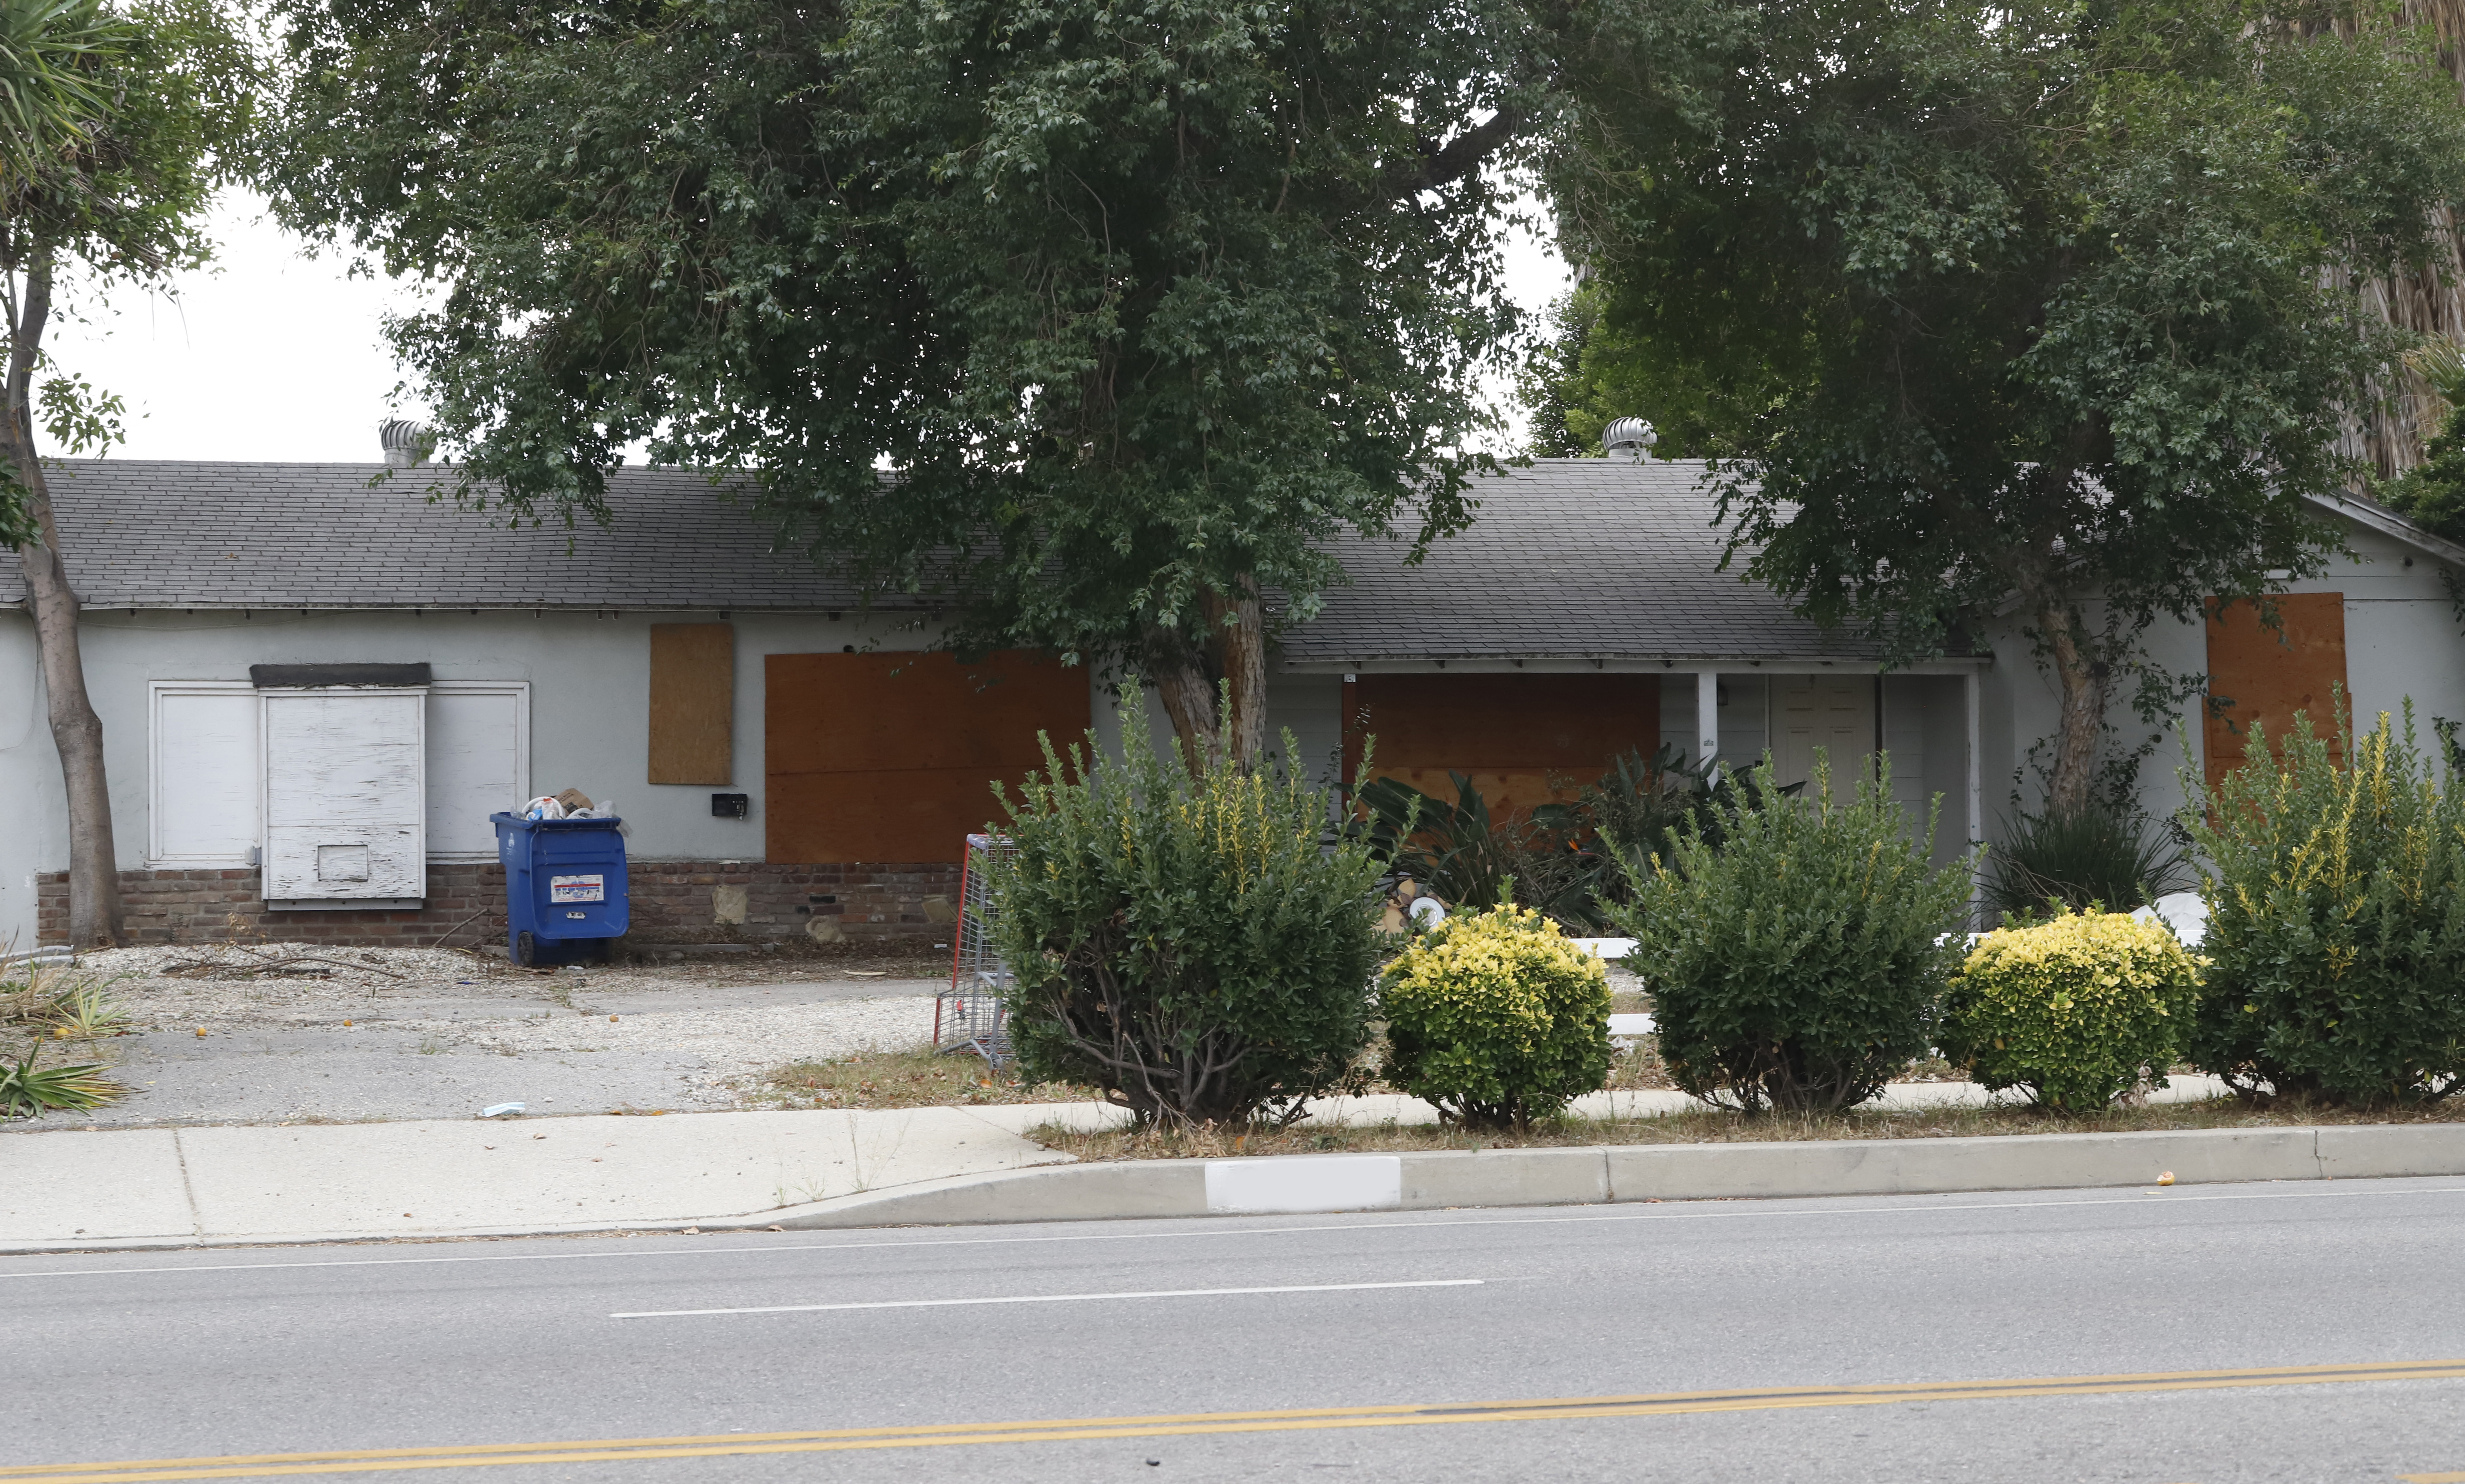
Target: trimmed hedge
[2073,1010]
[1496,1018]
[1796,963]
[1184,942]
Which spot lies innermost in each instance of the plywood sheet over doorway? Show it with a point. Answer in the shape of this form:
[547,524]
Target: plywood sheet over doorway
[890,758]
[1835,712]
[1521,737]
[2270,673]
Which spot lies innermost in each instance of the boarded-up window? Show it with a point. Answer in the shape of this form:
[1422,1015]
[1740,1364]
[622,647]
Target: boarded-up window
[2271,674]
[478,762]
[693,703]
[346,795]
[205,775]
[1521,738]
[890,758]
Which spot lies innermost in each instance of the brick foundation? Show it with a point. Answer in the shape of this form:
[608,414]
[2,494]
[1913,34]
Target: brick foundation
[673,902]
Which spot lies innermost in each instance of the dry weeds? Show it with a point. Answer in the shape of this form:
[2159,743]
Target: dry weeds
[897,1079]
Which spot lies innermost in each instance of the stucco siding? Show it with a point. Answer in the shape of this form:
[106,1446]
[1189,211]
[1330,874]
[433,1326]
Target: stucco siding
[590,679]
[2402,640]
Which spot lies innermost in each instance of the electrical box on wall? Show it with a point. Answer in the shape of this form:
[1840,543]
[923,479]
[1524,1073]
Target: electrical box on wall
[731,806]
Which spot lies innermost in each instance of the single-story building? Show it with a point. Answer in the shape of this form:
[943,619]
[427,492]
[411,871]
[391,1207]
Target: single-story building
[283,653]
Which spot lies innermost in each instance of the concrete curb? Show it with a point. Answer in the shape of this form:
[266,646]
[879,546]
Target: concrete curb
[1301,1183]
[1297,1184]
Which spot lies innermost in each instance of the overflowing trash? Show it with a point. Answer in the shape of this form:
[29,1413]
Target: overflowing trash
[571,804]
[565,879]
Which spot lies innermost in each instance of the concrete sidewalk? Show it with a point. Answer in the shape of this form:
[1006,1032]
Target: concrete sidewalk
[469,1177]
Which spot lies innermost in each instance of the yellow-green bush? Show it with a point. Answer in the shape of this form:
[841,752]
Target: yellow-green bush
[2072,1009]
[2336,939]
[1496,1018]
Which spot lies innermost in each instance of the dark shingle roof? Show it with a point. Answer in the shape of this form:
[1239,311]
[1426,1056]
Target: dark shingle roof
[1569,558]
[157,534]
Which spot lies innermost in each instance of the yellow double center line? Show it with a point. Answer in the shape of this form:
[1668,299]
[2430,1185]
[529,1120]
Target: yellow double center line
[1086,1429]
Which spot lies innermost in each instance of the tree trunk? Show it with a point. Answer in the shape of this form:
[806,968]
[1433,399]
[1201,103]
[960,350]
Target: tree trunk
[2083,723]
[77,732]
[1189,695]
[1244,642]
[1233,656]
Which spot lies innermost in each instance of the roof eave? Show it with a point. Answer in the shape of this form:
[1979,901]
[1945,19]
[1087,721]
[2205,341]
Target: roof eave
[2387,522]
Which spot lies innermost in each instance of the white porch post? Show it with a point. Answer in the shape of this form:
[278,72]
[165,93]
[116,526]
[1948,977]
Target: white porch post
[1969,693]
[1708,715]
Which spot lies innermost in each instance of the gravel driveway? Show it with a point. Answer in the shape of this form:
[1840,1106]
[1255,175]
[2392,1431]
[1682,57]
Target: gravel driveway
[351,1034]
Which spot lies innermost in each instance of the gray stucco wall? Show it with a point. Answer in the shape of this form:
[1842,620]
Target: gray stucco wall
[2402,641]
[589,699]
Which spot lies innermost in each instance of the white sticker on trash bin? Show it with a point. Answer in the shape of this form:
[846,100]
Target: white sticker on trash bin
[590,887]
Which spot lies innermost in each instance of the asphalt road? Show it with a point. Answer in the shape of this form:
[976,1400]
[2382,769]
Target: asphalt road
[521,1352]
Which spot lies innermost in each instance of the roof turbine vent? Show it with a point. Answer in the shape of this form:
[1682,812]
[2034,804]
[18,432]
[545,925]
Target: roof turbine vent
[406,444]
[1629,438]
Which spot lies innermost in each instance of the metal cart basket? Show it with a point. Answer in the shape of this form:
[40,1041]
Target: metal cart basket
[970,1017]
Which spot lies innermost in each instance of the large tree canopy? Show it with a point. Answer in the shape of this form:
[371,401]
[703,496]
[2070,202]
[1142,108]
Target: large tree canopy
[2044,305]
[1133,301]
[117,123]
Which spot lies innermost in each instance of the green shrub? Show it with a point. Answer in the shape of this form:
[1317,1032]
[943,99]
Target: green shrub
[1798,963]
[1183,943]
[1496,1018]
[2335,938]
[2072,1009]
[2095,856]
[1460,852]
[1563,857]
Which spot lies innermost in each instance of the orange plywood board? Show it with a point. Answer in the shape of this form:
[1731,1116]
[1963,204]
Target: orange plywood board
[2271,674]
[1515,734]
[890,758]
[693,703]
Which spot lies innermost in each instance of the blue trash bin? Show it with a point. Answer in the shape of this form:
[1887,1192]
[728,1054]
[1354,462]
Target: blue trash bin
[564,887]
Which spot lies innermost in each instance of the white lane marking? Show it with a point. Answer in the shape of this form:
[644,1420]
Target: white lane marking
[1727,1209]
[1051,1298]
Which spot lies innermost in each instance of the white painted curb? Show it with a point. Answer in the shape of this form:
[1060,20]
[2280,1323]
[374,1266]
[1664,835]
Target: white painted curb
[1304,1182]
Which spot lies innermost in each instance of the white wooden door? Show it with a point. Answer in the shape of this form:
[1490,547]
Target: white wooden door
[1834,712]
[345,793]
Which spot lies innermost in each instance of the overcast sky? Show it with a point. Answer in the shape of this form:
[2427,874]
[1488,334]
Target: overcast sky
[279,355]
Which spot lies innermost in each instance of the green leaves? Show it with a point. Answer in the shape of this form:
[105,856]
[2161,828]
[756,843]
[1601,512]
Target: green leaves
[1796,963]
[52,90]
[1182,940]
[29,1092]
[117,120]
[2336,934]
[1981,302]
[1496,1018]
[2078,1009]
[1137,304]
